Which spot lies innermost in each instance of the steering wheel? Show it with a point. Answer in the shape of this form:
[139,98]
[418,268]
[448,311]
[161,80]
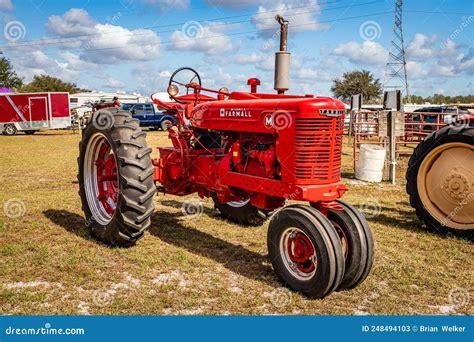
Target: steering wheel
[173,81]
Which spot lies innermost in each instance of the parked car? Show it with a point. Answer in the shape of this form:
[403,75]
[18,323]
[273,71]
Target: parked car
[446,114]
[150,116]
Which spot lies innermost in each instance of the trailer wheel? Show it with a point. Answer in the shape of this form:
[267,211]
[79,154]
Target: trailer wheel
[241,212]
[116,178]
[165,124]
[30,132]
[305,251]
[440,181]
[9,129]
[357,244]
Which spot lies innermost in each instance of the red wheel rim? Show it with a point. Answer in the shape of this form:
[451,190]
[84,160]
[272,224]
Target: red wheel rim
[107,180]
[298,253]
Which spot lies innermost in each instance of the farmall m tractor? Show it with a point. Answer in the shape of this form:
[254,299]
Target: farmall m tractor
[249,152]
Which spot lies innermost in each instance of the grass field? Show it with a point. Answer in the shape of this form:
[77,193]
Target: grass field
[199,264]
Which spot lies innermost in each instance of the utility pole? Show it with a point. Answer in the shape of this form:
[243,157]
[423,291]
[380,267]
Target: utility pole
[395,70]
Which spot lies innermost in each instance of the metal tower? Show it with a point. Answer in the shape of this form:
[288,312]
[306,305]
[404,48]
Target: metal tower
[395,70]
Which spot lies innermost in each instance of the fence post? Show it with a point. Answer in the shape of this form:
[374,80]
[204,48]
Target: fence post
[392,142]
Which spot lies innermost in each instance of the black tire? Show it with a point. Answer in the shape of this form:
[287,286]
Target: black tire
[360,256]
[245,214]
[136,187]
[329,268]
[30,132]
[165,124]
[9,129]
[445,135]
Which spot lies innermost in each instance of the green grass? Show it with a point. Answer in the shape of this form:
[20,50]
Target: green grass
[202,264]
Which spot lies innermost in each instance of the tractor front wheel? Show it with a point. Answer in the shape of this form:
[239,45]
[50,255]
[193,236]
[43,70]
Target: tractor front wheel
[305,251]
[241,212]
[357,244]
[116,178]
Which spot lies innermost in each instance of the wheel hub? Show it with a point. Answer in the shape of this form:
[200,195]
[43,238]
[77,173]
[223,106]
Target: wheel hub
[446,184]
[299,253]
[456,186]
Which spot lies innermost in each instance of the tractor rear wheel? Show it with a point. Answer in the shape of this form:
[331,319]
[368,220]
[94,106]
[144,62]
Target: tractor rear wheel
[9,129]
[357,244]
[241,212]
[440,181]
[305,251]
[116,177]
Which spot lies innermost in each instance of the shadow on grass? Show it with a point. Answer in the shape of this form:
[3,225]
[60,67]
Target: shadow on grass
[406,219]
[235,258]
[166,226]
[180,205]
[71,222]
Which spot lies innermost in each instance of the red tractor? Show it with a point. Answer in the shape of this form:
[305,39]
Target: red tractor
[249,152]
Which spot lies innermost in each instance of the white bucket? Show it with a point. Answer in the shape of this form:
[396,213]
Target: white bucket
[371,161]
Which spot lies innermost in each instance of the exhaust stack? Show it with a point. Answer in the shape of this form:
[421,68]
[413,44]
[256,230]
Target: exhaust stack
[282,58]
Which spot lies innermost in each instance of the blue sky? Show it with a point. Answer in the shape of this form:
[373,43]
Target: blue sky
[134,45]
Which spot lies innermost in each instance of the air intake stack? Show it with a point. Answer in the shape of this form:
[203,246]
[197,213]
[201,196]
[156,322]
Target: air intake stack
[282,58]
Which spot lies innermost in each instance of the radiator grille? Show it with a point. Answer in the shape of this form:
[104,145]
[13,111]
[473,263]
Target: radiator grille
[318,148]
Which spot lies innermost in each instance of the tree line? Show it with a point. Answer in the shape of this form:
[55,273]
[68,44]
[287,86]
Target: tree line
[40,83]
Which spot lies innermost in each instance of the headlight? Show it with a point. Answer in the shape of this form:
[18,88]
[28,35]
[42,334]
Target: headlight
[173,90]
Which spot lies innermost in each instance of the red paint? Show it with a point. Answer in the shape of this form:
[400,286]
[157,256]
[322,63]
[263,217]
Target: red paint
[107,180]
[300,250]
[274,147]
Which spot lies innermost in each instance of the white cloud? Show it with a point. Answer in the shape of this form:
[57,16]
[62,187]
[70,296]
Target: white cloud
[466,63]
[74,22]
[113,83]
[103,43]
[367,53]
[311,75]
[208,39]
[6,5]
[301,15]
[443,70]
[262,61]
[38,63]
[415,70]
[421,46]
